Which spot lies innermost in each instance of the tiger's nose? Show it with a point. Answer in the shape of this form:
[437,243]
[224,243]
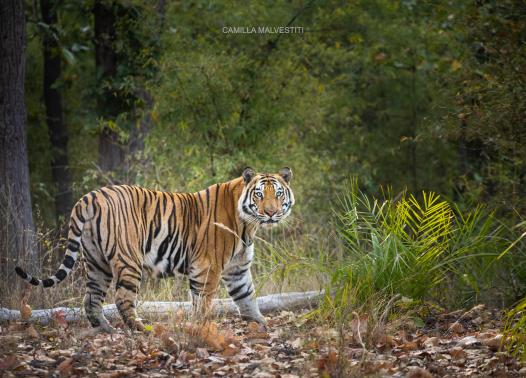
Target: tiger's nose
[270,212]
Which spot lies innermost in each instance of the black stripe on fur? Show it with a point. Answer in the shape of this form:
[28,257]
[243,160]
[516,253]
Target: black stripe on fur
[21,272]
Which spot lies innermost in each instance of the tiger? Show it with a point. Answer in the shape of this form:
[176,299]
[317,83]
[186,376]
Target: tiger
[127,231]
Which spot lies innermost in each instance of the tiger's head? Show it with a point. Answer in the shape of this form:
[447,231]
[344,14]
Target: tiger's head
[266,198]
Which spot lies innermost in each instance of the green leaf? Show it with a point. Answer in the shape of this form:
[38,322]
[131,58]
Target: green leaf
[419,323]
[68,56]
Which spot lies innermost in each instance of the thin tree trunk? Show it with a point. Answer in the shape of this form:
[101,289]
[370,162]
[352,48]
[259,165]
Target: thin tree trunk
[16,223]
[111,152]
[58,132]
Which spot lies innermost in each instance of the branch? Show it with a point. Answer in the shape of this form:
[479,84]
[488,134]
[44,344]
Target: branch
[268,303]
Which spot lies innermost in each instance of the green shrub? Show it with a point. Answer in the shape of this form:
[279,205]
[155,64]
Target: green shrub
[415,247]
[515,330]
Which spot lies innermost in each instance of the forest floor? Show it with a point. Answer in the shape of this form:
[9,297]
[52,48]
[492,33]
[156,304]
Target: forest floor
[458,344]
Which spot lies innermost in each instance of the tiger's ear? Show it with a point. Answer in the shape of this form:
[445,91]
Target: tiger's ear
[286,173]
[248,174]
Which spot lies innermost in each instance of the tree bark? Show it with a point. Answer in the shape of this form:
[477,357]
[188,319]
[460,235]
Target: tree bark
[268,303]
[16,223]
[111,152]
[58,132]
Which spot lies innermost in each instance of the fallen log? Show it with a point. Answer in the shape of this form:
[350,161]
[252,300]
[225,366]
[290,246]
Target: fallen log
[268,303]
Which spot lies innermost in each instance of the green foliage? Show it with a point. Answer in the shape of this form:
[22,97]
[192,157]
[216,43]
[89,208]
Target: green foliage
[412,247]
[485,114]
[515,330]
[396,93]
[515,318]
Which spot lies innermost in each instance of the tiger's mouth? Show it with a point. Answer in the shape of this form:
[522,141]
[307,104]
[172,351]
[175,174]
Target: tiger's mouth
[269,223]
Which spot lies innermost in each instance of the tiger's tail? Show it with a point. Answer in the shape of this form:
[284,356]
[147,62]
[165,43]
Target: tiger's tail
[79,215]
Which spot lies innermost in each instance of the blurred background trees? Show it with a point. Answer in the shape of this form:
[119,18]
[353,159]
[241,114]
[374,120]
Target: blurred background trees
[416,95]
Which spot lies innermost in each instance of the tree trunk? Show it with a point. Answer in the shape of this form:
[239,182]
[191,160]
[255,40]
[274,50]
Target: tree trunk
[58,132]
[16,223]
[268,303]
[111,152]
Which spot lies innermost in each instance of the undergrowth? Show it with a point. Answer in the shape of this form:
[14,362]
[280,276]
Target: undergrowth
[515,330]
[422,248]
[515,326]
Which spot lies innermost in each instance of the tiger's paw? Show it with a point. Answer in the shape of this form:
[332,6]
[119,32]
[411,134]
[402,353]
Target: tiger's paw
[108,329]
[258,318]
[136,325]
[103,328]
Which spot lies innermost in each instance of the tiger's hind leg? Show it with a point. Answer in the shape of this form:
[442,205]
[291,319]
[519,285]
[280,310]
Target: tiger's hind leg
[97,288]
[204,281]
[98,282]
[127,289]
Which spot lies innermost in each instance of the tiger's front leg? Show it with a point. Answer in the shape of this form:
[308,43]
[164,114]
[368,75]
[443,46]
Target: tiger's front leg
[238,280]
